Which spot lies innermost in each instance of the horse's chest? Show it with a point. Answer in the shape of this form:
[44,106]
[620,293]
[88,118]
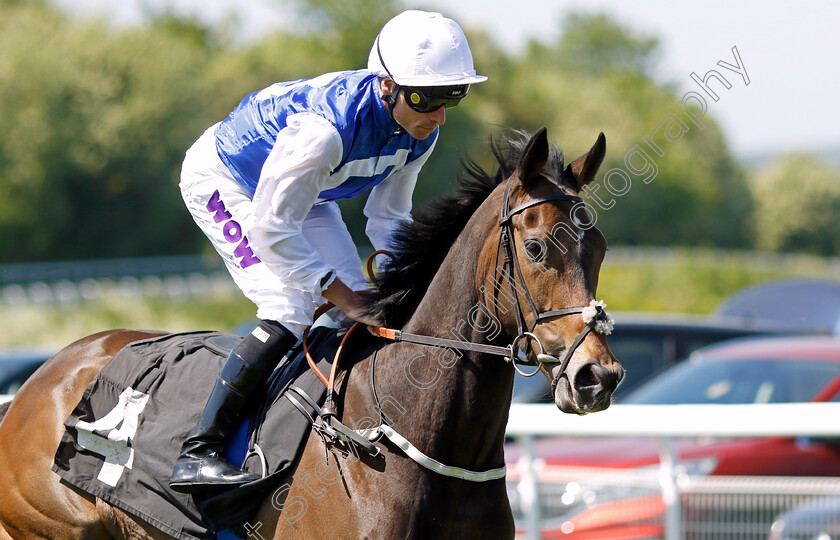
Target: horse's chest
[413,504]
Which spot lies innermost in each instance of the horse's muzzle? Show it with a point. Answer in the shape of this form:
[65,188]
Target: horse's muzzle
[587,388]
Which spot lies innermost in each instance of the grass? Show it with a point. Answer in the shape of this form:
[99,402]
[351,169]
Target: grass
[672,280]
[58,325]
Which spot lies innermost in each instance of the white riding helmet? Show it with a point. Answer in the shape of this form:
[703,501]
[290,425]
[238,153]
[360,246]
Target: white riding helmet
[418,48]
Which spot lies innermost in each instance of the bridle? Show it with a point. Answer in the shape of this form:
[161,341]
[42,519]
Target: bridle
[594,315]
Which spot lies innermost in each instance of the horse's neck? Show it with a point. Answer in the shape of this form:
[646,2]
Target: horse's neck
[459,400]
[446,307]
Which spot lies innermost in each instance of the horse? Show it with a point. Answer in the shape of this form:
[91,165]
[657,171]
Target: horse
[508,261]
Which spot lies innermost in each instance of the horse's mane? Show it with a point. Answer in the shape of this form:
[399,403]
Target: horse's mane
[421,245]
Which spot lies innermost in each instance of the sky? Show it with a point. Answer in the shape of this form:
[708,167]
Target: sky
[788,51]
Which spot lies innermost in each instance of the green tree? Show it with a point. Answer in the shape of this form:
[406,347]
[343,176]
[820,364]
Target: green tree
[346,28]
[599,44]
[797,201]
[93,126]
[94,123]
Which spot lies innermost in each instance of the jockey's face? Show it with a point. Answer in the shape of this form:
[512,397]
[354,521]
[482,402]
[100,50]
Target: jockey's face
[418,125]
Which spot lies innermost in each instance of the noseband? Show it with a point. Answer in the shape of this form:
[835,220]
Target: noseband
[593,315]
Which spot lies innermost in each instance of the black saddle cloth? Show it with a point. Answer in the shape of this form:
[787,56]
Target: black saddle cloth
[121,441]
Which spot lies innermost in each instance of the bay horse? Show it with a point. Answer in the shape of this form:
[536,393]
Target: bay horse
[500,262]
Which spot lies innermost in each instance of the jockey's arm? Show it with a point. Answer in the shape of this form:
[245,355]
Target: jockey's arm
[390,202]
[295,173]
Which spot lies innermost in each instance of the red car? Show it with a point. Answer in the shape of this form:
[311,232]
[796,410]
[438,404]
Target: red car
[607,488]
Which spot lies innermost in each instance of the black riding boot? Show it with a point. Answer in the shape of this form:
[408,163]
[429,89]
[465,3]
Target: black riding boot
[201,465]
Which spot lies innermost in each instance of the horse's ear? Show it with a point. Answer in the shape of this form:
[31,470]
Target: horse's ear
[584,168]
[534,157]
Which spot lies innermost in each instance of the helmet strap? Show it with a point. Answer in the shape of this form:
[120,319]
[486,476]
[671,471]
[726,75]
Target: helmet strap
[391,103]
[390,100]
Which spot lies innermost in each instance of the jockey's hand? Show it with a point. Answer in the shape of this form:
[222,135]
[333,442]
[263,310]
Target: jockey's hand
[353,305]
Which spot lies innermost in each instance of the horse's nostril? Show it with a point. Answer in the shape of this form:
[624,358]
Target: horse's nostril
[586,377]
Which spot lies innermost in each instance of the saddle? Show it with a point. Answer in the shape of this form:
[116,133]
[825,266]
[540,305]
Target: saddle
[122,439]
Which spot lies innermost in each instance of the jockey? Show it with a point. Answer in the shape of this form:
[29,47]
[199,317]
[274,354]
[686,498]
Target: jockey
[262,185]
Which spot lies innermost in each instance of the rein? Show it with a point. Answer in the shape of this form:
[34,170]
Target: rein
[512,353]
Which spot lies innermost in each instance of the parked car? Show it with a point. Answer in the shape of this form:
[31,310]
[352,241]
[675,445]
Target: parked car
[818,519]
[804,303]
[647,343]
[16,365]
[742,371]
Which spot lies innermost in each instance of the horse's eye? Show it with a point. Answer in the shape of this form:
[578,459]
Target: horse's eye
[535,249]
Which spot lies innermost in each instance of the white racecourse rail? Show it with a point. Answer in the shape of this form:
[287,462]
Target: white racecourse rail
[663,422]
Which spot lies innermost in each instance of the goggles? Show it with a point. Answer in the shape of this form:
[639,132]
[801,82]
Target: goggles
[428,99]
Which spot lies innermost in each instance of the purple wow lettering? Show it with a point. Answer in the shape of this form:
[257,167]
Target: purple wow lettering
[232,231]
